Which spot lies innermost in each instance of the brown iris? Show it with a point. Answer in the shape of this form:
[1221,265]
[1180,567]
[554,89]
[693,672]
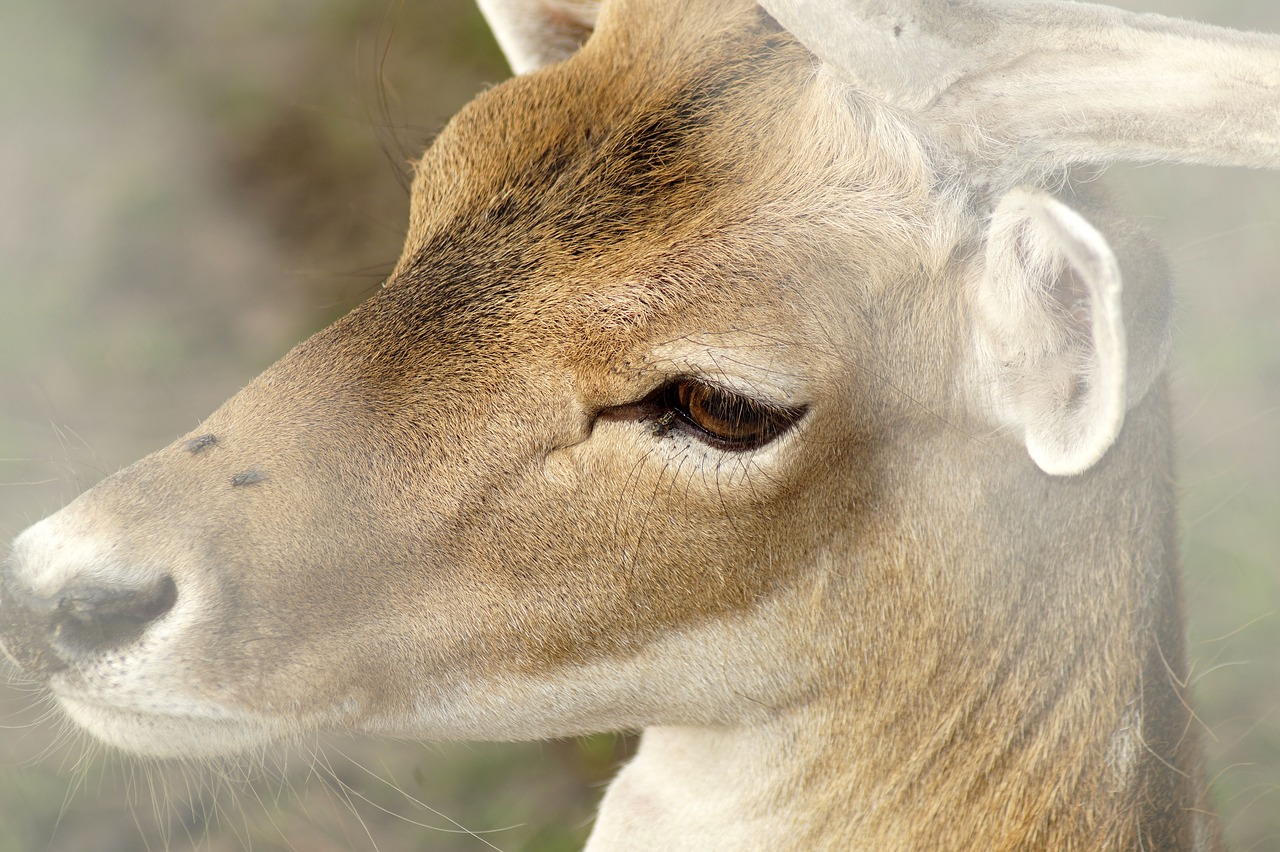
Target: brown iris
[721,417]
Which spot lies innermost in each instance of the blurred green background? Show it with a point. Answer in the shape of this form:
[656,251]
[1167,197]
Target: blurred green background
[186,189]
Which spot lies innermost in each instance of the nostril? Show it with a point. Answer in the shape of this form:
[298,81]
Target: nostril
[43,633]
[85,620]
[91,605]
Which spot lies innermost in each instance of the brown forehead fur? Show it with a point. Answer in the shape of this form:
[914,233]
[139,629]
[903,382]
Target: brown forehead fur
[684,159]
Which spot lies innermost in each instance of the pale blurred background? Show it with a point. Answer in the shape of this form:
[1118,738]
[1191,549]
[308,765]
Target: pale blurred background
[186,189]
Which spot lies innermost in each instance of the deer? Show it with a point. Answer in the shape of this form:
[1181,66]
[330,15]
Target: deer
[769,378]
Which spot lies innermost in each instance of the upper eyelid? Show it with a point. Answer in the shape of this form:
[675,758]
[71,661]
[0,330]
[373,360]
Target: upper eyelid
[655,397]
[790,413]
[750,394]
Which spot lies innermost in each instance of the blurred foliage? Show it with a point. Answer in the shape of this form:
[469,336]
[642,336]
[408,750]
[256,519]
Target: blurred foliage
[189,188]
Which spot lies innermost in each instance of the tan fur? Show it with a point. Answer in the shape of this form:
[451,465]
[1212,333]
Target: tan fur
[888,630]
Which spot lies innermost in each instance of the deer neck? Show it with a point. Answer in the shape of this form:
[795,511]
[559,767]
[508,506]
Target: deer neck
[995,694]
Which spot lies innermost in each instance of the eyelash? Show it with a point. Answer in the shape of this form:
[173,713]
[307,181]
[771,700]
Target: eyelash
[718,417]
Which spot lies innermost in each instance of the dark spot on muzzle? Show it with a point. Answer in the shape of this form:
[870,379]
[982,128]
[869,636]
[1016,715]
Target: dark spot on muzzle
[249,477]
[199,445]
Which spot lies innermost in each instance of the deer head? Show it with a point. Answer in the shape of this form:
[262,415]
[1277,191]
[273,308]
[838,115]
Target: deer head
[753,375]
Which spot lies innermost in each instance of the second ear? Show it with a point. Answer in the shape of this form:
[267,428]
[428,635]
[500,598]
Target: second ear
[1051,327]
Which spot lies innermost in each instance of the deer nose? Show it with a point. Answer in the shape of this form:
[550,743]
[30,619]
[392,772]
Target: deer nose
[84,615]
[86,621]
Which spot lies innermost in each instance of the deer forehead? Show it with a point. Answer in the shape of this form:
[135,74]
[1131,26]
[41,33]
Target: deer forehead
[711,182]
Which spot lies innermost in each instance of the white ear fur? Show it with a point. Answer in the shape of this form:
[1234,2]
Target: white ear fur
[533,33]
[1051,331]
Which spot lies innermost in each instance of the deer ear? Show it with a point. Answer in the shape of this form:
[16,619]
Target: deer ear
[1051,332]
[1057,82]
[533,33]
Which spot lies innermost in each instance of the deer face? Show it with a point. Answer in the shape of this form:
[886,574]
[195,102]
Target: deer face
[557,442]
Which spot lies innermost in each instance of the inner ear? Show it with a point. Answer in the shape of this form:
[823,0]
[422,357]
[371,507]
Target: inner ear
[534,33]
[1052,332]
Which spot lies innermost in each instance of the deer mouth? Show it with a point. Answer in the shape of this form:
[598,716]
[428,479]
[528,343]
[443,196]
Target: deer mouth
[189,731]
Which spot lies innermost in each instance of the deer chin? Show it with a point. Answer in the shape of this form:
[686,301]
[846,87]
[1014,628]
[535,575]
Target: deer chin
[189,731]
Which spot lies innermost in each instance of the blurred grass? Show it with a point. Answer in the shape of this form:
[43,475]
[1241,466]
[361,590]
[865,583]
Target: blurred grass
[188,189]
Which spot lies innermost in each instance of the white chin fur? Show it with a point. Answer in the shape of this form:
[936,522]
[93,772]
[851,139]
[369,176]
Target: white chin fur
[163,735]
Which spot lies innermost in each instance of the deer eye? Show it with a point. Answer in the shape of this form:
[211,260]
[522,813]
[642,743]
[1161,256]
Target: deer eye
[722,418]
